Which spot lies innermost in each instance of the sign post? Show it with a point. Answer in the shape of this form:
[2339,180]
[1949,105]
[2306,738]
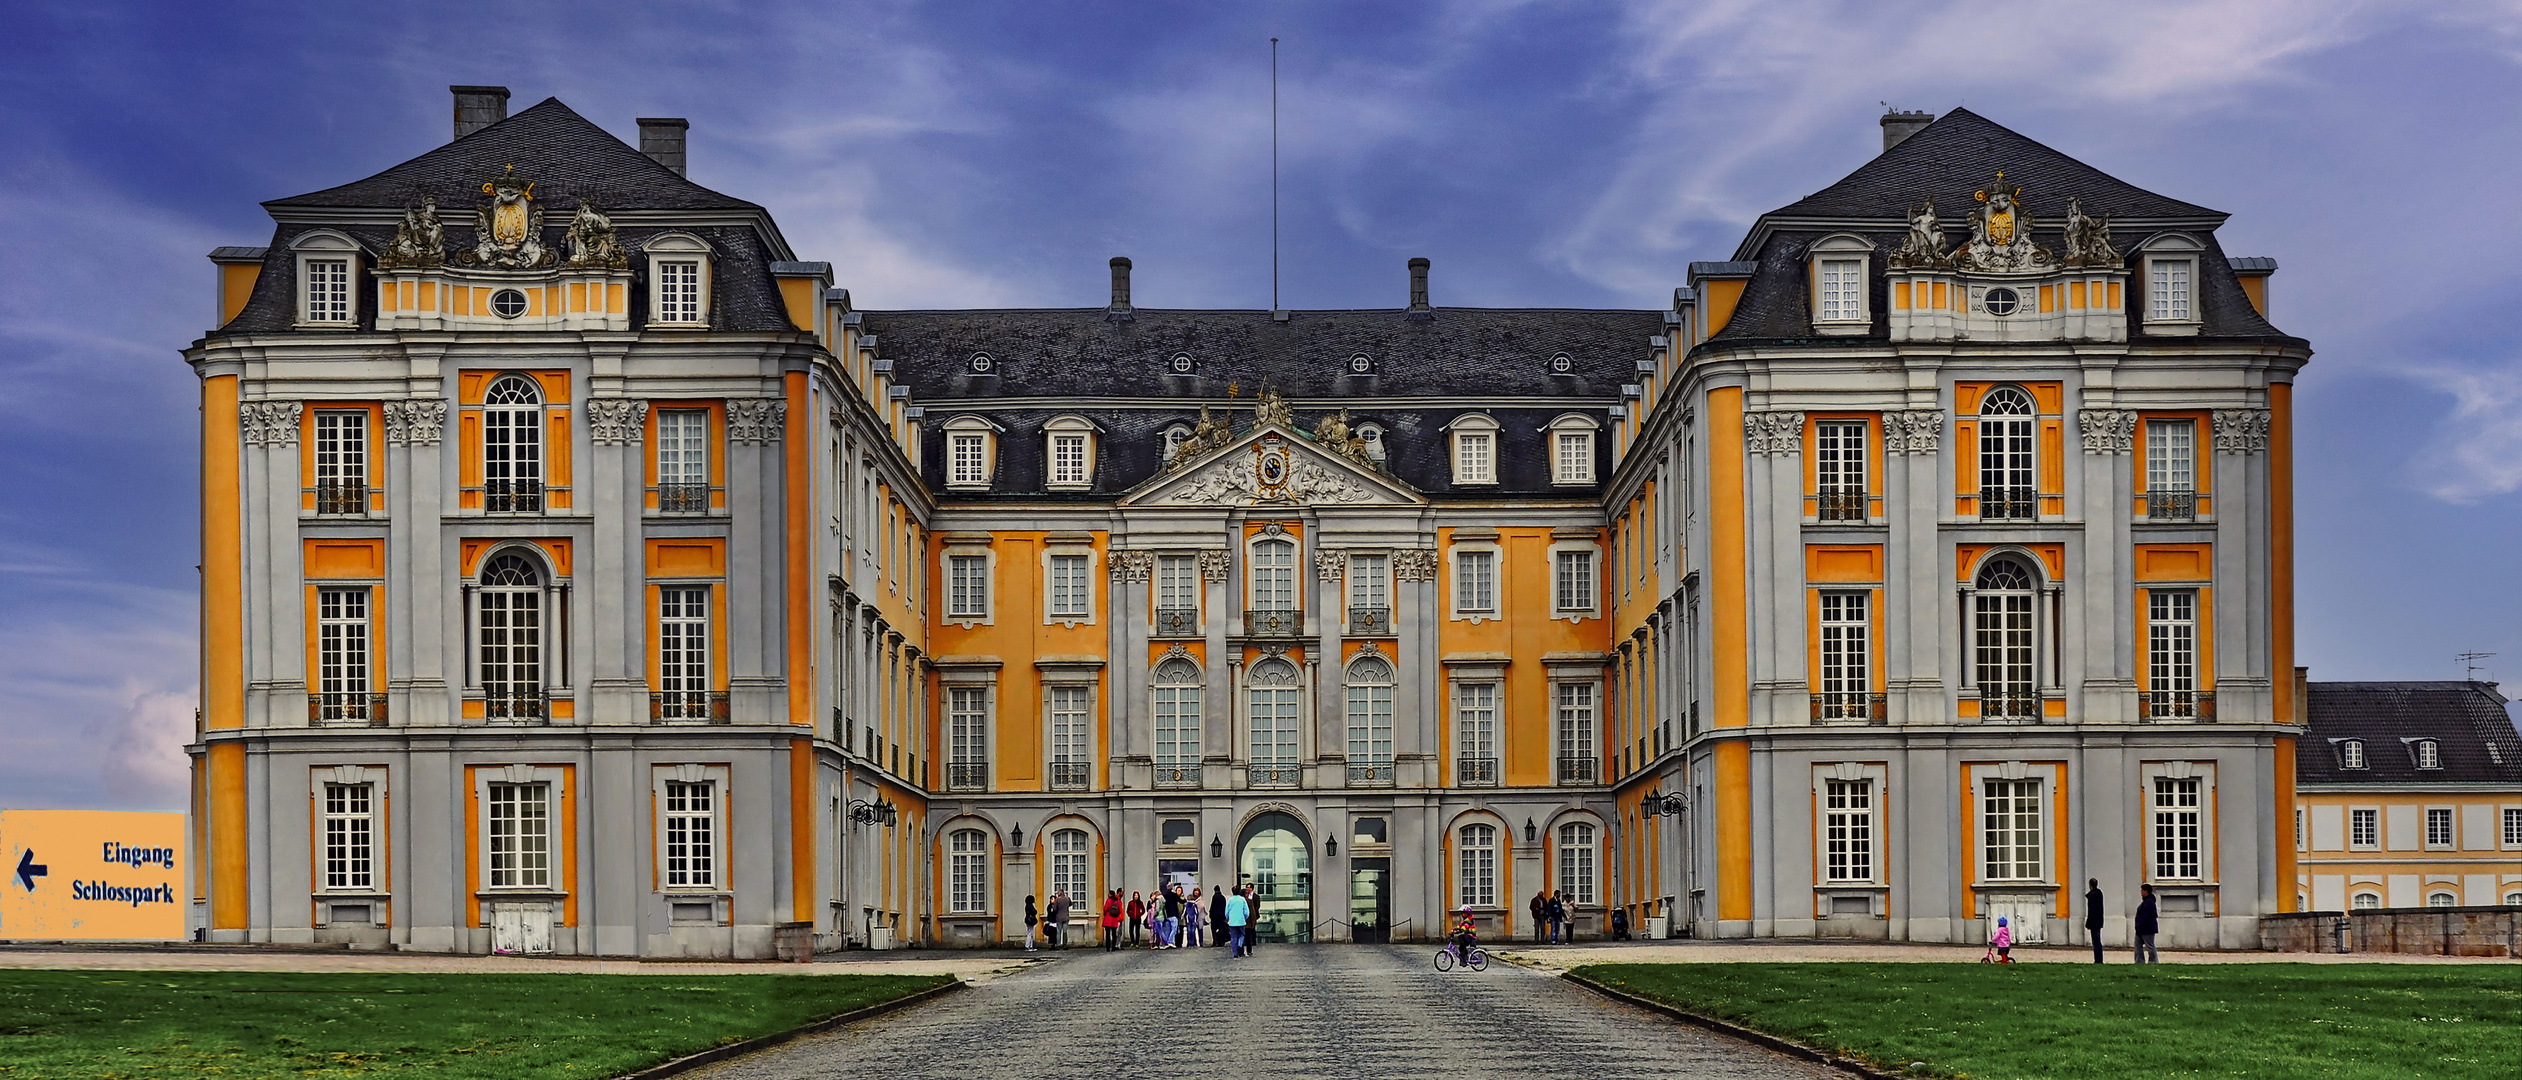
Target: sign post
[92,875]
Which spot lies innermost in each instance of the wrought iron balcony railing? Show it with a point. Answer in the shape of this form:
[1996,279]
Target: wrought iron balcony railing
[515,704]
[708,705]
[334,497]
[1580,769]
[1848,705]
[1276,775]
[1367,773]
[350,709]
[967,776]
[2009,504]
[1842,504]
[683,498]
[1475,770]
[2171,504]
[512,496]
[2008,702]
[1178,775]
[1068,775]
[2177,704]
[1370,621]
[1177,622]
[1283,623]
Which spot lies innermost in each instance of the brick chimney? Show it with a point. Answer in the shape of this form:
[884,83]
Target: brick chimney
[1898,125]
[1419,309]
[478,107]
[661,137]
[1120,309]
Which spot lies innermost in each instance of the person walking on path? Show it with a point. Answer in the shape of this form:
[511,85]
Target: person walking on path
[1252,918]
[1193,919]
[1238,913]
[1056,924]
[2148,924]
[1137,913]
[1112,921]
[1032,917]
[1558,919]
[1218,938]
[1540,915]
[2093,914]
[1155,920]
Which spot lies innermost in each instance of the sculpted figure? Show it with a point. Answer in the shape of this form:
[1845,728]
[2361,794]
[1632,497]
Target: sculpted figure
[591,239]
[1925,243]
[2088,238]
[419,241]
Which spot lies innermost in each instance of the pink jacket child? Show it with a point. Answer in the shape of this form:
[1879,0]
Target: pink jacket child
[2003,942]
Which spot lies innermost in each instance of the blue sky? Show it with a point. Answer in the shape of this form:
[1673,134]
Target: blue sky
[973,154]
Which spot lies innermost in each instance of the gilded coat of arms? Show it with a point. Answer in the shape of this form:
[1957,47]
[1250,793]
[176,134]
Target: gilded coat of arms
[508,227]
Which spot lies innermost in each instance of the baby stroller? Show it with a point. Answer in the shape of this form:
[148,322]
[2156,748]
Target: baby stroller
[2000,945]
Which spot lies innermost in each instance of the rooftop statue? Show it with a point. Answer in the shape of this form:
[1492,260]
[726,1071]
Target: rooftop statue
[2001,233]
[508,228]
[1924,246]
[2088,239]
[592,242]
[419,241]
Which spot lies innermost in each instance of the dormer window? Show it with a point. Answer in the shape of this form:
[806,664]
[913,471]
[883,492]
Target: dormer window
[1181,364]
[1361,364]
[982,364]
[1174,437]
[2351,753]
[1840,288]
[971,453]
[328,264]
[2427,752]
[2171,284]
[1562,364]
[1475,449]
[678,280]
[1070,451]
[1373,436]
[1571,449]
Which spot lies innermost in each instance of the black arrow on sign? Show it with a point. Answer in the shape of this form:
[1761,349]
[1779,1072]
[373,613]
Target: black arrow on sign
[29,870]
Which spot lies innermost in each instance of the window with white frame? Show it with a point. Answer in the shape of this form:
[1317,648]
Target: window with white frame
[968,871]
[1842,282]
[2168,290]
[1370,718]
[683,461]
[1475,450]
[967,457]
[1571,444]
[967,586]
[1369,578]
[1177,714]
[1836,280]
[2010,822]
[1839,470]
[1068,864]
[2002,639]
[691,831]
[679,290]
[2006,485]
[509,629]
[2364,828]
[2366,901]
[512,446]
[1071,453]
[1848,831]
[967,731]
[1070,598]
[2439,833]
[517,828]
[1272,703]
[1847,657]
[1576,862]
[2177,833]
[343,685]
[2427,753]
[1574,703]
[327,289]
[2442,898]
[349,837]
[1475,581]
[683,680]
[1476,863]
[2513,826]
[1070,714]
[2171,653]
[2351,753]
[678,276]
[1475,731]
[1274,575]
[1178,583]
[2171,459]
[341,461]
[1575,580]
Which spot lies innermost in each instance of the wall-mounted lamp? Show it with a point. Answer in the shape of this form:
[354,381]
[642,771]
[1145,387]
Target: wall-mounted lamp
[1216,848]
[1330,847]
[1018,839]
[879,812]
[1531,833]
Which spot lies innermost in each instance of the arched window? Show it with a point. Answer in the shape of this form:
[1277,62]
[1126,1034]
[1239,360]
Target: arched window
[2351,753]
[1177,721]
[968,871]
[2005,457]
[2429,754]
[1273,692]
[1274,575]
[2366,901]
[2513,898]
[512,446]
[1576,862]
[509,639]
[1476,866]
[1068,864]
[2001,623]
[1174,437]
[2442,899]
[1370,720]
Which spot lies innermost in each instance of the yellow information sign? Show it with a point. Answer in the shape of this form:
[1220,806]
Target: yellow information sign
[92,875]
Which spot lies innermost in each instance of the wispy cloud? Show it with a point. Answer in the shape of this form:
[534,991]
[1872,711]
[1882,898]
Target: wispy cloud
[2478,451]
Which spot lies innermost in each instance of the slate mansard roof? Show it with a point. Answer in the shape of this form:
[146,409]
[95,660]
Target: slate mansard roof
[569,158]
[1118,373]
[2467,720]
[1950,159]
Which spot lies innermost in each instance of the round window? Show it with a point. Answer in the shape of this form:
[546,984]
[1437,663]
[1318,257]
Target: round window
[1561,364]
[507,303]
[2000,302]
[1182,365]
[1361,365]
[981,362]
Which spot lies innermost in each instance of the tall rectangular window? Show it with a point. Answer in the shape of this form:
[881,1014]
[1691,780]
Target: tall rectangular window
[1848,830]
[1847,661]
[1274,575]
[341,461]
[2167,285]
[1177,583]
[1477,863]
[1576,862]
[683,461]
[1370,719]
[968,871]
[2364,828]
[967,738]
[1069,599]
[519,835]
[1575,457]
[2171,454]
[2011,823]
[1841,280]
[1839,470]
[1575,580]
[2439,826]
[1475,732]
[327,290]
[1068,459]
[1474,457]
[1068,864]
[1178,695]
[2171,653]
[683,681]
[2176,829]
[1368,575]
[691,835]
[1475,581]
[1575,706]
[343,684]
[349,836]
[2513,826]
[679,291]
[1274,725]
[967,460]
[1068,727]
[967,586]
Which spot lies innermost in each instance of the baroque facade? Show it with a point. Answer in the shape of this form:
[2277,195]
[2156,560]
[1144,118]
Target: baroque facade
[606,582]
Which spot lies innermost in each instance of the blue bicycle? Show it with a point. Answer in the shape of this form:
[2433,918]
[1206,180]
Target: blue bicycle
[1446,958]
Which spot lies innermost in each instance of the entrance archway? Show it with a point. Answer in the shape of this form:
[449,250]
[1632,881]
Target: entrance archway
[1276,855]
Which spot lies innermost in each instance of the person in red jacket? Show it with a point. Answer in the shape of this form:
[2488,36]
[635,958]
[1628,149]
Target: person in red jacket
[1138,915]
[1112,921]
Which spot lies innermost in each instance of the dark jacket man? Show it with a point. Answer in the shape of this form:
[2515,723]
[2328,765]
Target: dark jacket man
[2093,915]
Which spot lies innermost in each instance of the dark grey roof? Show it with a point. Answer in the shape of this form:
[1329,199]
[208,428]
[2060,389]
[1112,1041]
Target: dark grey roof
[566,155]
[2467,720]
[236,254]
[1483,352]
[2260,263]
[1960,153]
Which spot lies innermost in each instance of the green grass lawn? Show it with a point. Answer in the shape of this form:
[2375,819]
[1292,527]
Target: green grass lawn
[112,1025]
[2020,1022]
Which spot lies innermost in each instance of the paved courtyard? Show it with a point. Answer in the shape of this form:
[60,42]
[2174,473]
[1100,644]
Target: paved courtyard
[1288,1011]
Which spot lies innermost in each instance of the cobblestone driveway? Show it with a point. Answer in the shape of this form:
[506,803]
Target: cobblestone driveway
[1289,1011]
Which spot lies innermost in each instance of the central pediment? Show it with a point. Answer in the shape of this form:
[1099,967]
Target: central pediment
[1272,465]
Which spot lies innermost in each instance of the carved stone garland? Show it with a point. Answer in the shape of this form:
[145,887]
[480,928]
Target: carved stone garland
[1916,432]
[1133,566]
[2108,431]
[1414,564]
[1773,432]
[269,423]
[2241,431]
[756,420]
[617,421]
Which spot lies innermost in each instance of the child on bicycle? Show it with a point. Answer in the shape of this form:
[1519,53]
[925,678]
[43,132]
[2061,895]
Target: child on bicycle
[1464,935]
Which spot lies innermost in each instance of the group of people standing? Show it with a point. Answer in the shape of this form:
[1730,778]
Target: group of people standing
[1172,919]
[1553,918]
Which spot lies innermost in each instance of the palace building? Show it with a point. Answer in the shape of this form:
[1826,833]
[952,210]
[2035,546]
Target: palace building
[585,573]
